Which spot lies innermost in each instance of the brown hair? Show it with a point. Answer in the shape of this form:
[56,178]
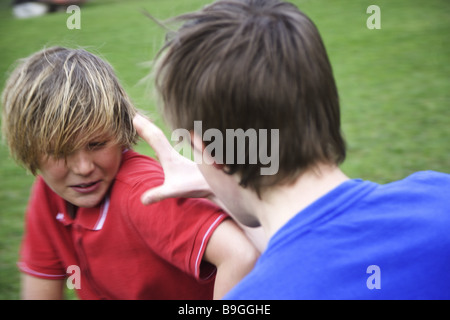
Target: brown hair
[58,99]
[254,64]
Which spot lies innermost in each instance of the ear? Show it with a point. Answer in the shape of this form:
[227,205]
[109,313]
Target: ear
[200,153]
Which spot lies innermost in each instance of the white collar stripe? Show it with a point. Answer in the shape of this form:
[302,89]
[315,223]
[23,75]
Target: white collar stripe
[104,213]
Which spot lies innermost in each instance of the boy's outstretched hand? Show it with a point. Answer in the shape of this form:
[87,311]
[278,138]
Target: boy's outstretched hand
[183,179]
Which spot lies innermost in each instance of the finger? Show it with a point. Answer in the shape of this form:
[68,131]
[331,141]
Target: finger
[154,195]
[153,136]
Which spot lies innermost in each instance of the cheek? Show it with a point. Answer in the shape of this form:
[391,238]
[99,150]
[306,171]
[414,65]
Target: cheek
[110,160]
[53,170]
[219,181]
[208,174]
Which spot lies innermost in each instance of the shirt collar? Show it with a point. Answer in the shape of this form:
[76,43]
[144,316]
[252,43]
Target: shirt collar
[88,218]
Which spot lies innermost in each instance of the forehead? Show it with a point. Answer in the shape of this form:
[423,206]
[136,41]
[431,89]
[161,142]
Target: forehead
[65,145]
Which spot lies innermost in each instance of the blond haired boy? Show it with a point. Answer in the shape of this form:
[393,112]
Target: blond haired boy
[67,119]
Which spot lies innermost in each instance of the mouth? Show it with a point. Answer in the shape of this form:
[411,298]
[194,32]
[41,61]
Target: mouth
[86,187]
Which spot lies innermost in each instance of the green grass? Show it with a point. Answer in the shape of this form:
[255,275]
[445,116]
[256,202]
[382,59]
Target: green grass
[393,84]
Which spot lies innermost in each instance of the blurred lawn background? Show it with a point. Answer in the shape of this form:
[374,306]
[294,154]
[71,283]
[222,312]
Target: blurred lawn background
[393,84]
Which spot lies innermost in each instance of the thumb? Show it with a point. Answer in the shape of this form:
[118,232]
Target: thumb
[154,136]
[154,195]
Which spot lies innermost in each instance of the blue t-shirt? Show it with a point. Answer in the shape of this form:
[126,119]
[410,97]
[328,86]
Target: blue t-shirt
[362,240]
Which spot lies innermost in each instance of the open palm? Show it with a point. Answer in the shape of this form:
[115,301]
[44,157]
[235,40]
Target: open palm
[183,179]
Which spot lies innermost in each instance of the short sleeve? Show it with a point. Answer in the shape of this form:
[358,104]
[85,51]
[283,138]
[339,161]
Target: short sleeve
[178,229]
[38,255]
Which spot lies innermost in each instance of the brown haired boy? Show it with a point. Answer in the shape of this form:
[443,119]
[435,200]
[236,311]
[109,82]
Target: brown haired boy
[261,64]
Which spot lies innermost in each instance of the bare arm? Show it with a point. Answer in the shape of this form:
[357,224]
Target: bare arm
[41,289]
[233,255]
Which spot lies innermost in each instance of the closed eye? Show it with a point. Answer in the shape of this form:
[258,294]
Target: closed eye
[96,145]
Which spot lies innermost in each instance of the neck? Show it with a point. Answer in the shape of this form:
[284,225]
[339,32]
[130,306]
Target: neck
[280,204]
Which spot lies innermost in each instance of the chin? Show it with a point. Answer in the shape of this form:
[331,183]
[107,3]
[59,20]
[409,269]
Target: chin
[88,202]
[248,220]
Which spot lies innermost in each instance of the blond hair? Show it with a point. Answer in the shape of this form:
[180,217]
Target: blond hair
[58,99]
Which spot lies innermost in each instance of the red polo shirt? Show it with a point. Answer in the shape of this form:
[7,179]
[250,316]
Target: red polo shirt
[124,250]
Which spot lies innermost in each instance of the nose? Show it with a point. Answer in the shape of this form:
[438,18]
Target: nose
[81,163]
